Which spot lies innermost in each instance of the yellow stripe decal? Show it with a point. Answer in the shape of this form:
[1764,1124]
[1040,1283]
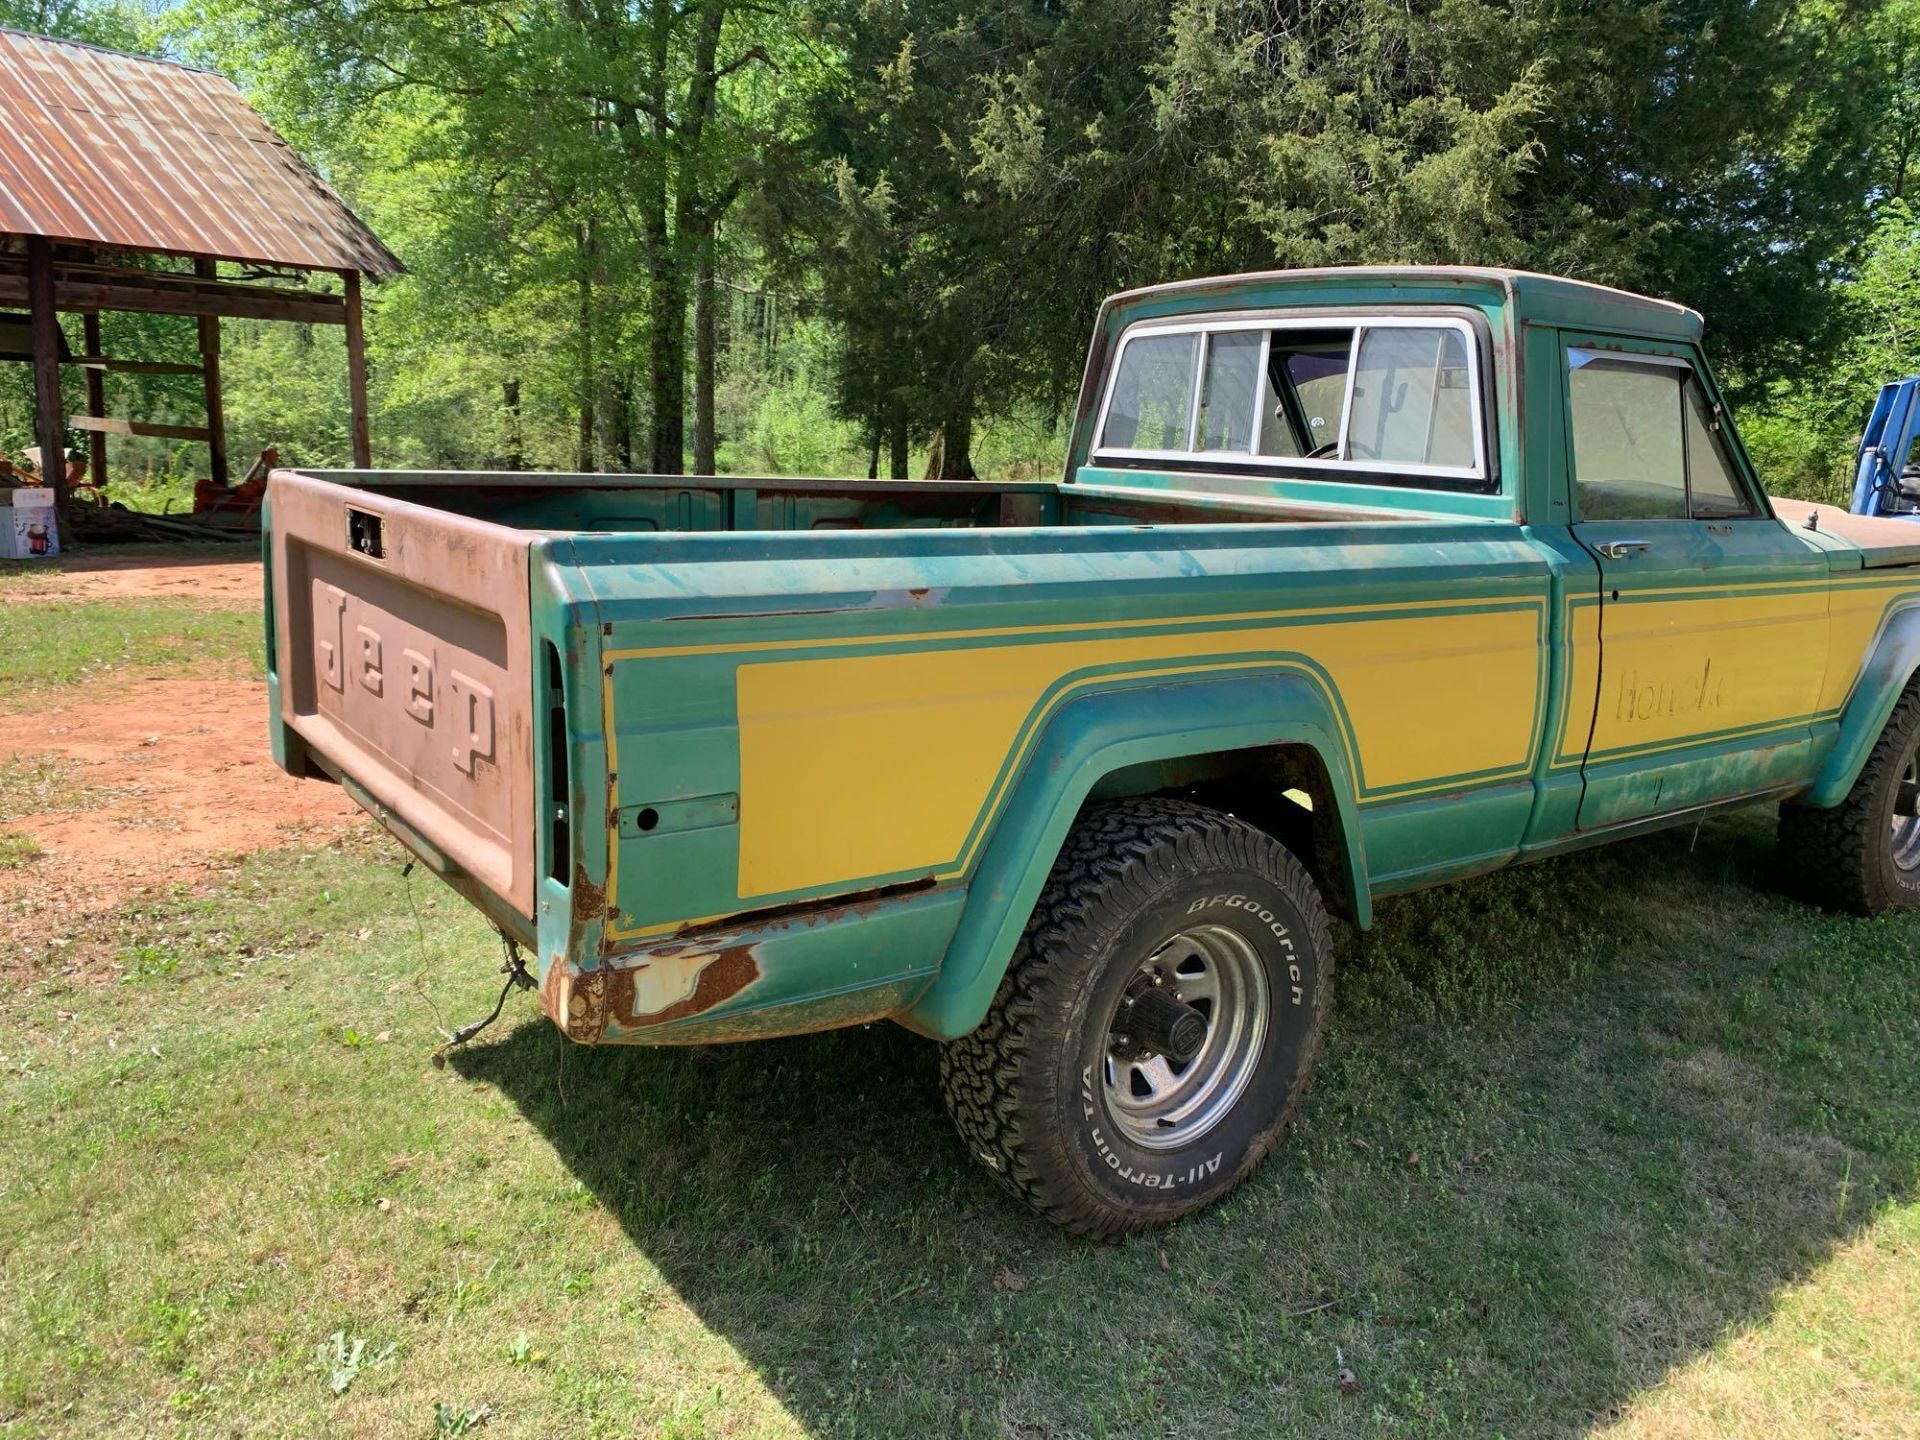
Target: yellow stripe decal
[874,755]
[878,764]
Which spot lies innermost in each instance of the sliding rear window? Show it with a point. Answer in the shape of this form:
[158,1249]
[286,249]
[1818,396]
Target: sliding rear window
[1390,395]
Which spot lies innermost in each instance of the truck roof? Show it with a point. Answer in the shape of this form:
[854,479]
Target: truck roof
[1542,299]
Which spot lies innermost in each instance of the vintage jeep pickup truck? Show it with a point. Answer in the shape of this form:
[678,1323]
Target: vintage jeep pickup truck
[1357,581]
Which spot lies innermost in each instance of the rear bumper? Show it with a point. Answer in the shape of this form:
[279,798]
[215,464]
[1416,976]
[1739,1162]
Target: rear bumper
[817,969]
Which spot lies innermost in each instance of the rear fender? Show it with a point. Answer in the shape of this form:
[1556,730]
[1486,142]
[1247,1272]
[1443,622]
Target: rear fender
[1092,737]
[1890,664]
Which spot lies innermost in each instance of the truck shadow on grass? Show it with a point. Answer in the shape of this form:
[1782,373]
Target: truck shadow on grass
[1574,1123]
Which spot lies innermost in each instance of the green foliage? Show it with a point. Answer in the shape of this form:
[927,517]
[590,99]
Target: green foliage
[343,1359]
[901,217]
[1804,435]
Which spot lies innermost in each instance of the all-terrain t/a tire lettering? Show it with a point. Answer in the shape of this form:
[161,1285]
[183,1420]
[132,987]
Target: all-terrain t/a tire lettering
[1863,854]
[1157,1026]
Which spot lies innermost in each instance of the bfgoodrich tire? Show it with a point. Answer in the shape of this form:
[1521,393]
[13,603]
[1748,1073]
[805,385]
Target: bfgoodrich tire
[1863,854]
[1107,1108]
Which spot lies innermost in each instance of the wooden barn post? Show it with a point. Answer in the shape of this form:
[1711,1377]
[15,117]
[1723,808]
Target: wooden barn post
[96,401]
[50,421]
[209,325]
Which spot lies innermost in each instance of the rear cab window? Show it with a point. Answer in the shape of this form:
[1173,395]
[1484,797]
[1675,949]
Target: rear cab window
[1391,398]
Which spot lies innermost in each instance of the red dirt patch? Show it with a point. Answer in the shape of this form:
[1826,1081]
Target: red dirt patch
[227,579]
[188,781]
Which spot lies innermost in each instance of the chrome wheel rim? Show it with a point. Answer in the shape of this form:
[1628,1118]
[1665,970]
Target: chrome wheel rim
[1906,827]
[1158,1104]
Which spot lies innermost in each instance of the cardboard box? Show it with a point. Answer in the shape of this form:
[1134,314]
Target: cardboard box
[27,528]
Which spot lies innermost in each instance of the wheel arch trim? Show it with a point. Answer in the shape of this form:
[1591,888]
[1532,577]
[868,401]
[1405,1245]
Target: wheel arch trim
[1891,663]
[1090,737]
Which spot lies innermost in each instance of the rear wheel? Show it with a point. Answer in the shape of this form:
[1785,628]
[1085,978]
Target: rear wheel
[1157,1025]
[1863,854]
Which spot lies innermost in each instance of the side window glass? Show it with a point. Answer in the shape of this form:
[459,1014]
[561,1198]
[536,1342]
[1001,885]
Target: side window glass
[1227,390]
[1411,402]
[1304,390]
[1629,454]
[1153,394]
[1280,424]
[1717,493]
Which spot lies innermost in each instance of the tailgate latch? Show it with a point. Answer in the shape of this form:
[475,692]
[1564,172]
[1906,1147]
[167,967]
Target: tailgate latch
[363,534]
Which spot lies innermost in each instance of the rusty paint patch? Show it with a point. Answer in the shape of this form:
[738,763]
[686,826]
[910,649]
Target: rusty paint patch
[585,1017]
[696,983]
[552,986]
[576,1002]
[589,899]
[659,989]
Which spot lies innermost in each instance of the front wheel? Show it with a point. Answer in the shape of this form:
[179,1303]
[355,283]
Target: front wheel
[1863,854]
[1157,1025]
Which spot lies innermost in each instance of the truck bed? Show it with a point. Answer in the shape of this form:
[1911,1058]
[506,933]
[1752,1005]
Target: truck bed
[644,504]
[439,641]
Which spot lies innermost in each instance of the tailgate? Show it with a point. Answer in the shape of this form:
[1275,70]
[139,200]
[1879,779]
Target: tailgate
[403,648]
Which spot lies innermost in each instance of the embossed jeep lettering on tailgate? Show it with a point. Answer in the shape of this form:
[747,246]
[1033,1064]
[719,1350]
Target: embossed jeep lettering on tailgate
[472,701]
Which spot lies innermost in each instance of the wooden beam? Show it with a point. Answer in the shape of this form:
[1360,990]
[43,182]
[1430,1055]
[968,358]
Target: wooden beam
[45,326]
[113,425]
[138,292]
[357,374]
[96,402]
[129,367]
[210,382]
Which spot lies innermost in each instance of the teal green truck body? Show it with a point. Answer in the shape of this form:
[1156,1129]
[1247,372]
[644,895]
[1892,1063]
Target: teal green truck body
[1394,567]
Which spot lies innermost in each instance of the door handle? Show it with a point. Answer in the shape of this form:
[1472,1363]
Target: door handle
[1620,549]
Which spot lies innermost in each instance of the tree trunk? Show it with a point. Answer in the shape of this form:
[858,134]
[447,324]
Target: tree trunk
[705,347]
[952,458]
[626,423]
[897,440]
[666,292]
[667,363]
[616,419]
[583,457]
[516,456]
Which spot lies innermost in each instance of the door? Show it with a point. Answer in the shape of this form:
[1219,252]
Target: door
[1713,614]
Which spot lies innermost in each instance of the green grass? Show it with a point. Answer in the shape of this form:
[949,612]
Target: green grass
[48,644]
[1625,1137]
[1624,1141]
[48,784]
[17,850]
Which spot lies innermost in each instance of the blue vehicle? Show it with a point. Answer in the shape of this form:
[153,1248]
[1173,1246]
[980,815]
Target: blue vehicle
[1886,476]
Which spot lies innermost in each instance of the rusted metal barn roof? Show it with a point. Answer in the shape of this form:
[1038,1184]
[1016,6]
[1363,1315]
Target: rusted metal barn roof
[110,149]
